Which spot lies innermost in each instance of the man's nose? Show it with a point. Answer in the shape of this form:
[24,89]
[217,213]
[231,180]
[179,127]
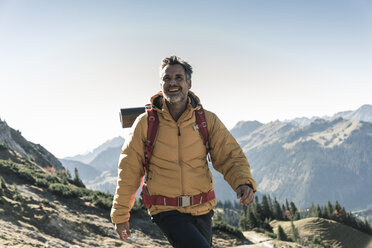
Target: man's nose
[173,81]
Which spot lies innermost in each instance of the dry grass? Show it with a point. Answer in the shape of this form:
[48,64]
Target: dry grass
[331,232]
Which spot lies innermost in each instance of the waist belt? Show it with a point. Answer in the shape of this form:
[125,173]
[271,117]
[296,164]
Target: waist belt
[180,201]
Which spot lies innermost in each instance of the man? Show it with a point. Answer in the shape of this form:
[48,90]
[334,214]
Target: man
[178,166]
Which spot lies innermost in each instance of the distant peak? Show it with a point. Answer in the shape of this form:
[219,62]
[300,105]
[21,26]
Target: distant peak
[87,158]
[366,107]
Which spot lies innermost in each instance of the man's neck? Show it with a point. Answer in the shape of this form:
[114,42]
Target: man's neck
[176,109]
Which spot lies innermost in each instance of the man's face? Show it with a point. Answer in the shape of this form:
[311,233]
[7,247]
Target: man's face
[174,85]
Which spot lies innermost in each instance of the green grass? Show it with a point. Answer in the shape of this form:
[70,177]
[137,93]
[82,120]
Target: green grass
[2,186]
[3,146]
[98,198]
[226,228]
[66,191]
[58,183]
[17,195]
[30,173]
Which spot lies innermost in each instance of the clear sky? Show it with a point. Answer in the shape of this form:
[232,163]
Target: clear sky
[67,67]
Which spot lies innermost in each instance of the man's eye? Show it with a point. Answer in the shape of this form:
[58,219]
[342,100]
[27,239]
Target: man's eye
[166,79]
[178,78]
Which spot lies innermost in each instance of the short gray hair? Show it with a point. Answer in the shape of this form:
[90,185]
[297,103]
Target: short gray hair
[174,60]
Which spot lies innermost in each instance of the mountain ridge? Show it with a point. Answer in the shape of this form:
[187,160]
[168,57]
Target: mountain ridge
[28,150]
[318,162]
[87,158]
[329,232]
[363,113]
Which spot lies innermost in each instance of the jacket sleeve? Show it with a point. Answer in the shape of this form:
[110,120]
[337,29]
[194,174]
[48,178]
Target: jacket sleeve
[130,172]
[227,156]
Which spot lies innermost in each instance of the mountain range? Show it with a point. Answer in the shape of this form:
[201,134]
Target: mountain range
[312,160]
[364,113]
[324,161]
[88,157]
[98,168]
[304,159]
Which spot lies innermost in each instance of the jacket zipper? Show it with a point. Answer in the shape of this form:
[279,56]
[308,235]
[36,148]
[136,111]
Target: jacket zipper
[179,159]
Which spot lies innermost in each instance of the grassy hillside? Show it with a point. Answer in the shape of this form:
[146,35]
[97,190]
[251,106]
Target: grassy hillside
[329,231]
[44,207]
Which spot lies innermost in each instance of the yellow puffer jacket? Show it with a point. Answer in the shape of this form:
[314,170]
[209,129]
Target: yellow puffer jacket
[178,165]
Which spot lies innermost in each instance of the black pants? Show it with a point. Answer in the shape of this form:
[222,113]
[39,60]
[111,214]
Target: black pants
[186,230]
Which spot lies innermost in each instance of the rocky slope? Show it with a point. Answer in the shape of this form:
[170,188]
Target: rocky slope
[39,218]
[35,152]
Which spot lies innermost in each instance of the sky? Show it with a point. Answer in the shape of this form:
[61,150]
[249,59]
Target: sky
[67,67]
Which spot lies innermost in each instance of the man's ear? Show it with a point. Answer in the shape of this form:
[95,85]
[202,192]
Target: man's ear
[189,83]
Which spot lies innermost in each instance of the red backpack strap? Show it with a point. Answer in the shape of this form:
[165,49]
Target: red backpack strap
[153,126]
[202,126]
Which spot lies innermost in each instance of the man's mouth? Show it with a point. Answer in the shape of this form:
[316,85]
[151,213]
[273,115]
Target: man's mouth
[174,89]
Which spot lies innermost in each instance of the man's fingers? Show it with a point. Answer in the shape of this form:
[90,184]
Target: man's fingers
[123,230]
[127,229]
[119,230]
[124,235]
[244,194]
[239,193]
[247,195]
[244,197]
[250,197]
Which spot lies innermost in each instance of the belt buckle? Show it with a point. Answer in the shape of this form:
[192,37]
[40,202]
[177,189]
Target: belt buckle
[185,200]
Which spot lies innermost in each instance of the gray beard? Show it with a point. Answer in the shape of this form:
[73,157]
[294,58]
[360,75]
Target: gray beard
[175,99]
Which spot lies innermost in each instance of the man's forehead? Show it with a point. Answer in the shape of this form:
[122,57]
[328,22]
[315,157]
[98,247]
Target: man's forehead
[173,69]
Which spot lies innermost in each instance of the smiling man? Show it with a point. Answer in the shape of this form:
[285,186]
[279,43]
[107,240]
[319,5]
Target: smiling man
[179,185]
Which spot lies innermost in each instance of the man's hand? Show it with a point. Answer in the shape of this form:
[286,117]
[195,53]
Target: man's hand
[123,230]
[245,194]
